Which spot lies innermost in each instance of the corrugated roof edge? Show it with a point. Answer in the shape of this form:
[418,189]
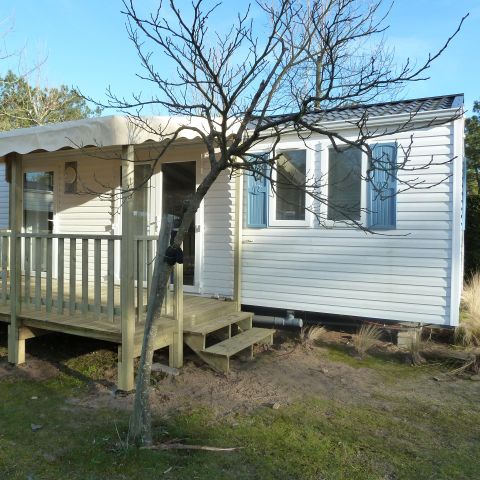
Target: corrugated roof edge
[385,109]
[457,102]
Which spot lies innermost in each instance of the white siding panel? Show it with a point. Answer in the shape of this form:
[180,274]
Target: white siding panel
[4,198]
[218,239]
[402,276]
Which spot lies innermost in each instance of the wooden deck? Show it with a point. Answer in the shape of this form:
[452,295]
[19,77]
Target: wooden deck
[93,325]
[96,284]
[67,283]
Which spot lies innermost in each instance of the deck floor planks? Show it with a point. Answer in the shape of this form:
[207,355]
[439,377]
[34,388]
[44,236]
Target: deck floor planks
[92,325]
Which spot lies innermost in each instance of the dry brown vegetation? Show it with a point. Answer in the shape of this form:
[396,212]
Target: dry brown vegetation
[468,332]
[310,335]
[366,338]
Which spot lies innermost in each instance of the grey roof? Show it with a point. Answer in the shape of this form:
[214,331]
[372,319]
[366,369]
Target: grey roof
[413,106]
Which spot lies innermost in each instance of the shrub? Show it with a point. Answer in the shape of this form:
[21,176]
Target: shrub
[468,332]
[309,335]
[366,338]
[472,236]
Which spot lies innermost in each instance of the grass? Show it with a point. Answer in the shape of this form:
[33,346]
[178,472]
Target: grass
[316,438]
[390,368]
[308,440]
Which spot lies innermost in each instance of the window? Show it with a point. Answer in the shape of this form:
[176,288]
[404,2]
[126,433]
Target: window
[344,184]
[291,178]
[283,203]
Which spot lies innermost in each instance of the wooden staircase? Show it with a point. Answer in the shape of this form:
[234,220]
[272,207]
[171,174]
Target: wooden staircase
[223,332]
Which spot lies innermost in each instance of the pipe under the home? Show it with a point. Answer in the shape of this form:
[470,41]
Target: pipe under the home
[289,320]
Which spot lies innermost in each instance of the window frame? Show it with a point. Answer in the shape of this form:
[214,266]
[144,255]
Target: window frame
[272,201]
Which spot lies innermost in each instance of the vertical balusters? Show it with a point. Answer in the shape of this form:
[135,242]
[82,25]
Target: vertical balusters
[27,269]
[149,267]
[5,247]
[48,286]
[140,269]
[38,272]
[60,274]
[110,279]
[85,275]
[97,293]
[73,275]
[176,351]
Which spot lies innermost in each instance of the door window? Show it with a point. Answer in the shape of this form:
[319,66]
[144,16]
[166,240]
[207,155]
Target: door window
[38,209]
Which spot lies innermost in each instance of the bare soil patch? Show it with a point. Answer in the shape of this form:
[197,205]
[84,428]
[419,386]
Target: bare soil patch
[285,373]
[289,372]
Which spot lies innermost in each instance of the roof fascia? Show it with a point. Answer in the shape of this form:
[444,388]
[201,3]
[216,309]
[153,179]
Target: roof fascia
[432,116]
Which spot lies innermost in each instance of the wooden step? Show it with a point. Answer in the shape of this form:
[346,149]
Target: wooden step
[217,323]
[217,309]
[240,342]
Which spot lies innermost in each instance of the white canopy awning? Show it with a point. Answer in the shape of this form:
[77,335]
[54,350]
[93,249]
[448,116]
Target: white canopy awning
[112,130]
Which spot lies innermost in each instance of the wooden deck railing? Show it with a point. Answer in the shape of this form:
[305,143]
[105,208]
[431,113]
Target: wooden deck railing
[5,254]
[69,274]
[145,253]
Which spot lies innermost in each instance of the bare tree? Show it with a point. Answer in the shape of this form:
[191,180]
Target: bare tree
[281,66]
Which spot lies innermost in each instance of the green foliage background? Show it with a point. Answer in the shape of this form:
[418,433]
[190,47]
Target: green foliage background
[24,105]
[472,226]
[472,235]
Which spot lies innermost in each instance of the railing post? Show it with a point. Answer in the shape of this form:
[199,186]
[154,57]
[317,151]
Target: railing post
[176,349]
[127,287]
[237,248]
[16,346]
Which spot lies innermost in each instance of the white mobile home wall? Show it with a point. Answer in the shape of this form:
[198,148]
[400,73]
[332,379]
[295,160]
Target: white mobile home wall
[412,274]
[4,197]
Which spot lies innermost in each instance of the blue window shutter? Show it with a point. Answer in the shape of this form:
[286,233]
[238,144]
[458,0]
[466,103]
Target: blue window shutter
[257,207]
[382,187]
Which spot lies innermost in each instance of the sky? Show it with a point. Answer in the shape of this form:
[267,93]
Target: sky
[85,44]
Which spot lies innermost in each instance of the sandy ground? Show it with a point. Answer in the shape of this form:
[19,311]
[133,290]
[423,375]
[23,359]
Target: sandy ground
[286,372]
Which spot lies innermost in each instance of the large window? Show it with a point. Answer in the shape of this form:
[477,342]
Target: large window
[290,185]
[344,184]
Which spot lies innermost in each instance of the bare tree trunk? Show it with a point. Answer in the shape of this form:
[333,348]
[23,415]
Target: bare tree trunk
[140,429]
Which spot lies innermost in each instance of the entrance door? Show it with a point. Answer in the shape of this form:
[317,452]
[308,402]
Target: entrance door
[38,210]
[179,183]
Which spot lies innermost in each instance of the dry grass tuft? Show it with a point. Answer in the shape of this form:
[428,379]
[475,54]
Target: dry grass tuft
[468,332]
[309,335]
[366,338]
[415,347]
